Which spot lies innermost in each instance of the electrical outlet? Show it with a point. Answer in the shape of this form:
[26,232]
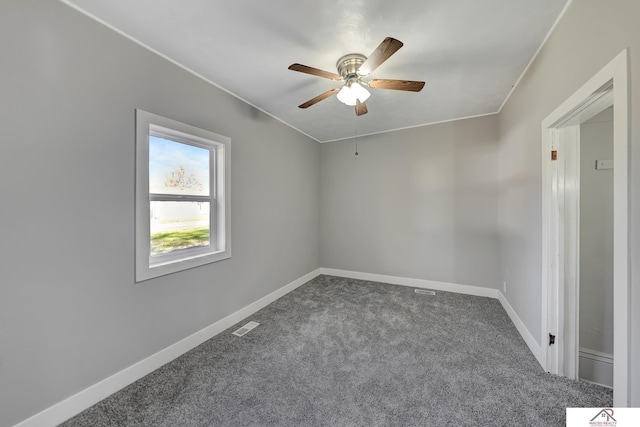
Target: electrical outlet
[504,286]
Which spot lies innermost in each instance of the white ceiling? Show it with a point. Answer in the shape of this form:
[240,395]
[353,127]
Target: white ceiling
[470,52]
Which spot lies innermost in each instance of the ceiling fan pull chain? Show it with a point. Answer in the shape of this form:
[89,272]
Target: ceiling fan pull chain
[356,123]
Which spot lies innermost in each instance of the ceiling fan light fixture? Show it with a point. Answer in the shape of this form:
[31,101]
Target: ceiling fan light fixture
[350,94]
[346,96]
[360,92]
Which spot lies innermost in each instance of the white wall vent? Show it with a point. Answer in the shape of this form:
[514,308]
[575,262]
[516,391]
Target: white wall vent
[424,292]
[246,328]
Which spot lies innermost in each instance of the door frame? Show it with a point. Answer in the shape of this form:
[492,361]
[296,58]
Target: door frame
[560,224]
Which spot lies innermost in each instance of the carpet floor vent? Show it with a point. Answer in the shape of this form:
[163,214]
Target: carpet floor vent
[424,292]
[246,328]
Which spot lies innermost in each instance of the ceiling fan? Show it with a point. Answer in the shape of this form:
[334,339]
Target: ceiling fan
[352,68]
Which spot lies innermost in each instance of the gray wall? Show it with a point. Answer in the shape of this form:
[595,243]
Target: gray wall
[418,203]
[70,312]
[443,202]
[590,34]
[596,234]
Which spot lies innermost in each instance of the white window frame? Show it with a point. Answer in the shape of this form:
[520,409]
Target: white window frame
[219,146]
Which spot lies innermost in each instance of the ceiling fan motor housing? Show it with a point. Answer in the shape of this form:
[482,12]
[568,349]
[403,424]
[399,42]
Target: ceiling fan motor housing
[348,66]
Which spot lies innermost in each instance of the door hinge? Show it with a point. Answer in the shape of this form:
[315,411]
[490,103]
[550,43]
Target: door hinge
[554,154]
[552,339]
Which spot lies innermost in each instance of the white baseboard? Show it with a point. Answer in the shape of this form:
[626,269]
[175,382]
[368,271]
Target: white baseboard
[416,283]
[522,329]
[448,287]
[82,400]
[596,367]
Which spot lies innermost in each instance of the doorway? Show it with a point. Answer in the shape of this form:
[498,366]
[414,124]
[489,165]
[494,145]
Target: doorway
[561,225]
[595,279]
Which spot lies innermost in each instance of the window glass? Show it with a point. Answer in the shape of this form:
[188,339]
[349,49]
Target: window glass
[178,225]
[177,168]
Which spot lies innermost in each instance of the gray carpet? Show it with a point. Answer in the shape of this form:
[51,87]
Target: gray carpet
[343,352]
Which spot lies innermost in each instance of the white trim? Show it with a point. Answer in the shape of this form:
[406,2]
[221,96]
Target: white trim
[211,82]
[596,355]
[593,382]
[522,329]
[553,304]
[621,262]
[82,400]
[569,162]
[416,283]
[535,55]
[409,127]
[174,62]
[148,124]
[596,367]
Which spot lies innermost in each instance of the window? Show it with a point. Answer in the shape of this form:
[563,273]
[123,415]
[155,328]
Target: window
[182,196]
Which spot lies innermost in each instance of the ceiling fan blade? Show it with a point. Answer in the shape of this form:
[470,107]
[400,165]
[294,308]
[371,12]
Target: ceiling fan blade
[314,71]
[388,47]
[361,108]
[409,85]
[319,98]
